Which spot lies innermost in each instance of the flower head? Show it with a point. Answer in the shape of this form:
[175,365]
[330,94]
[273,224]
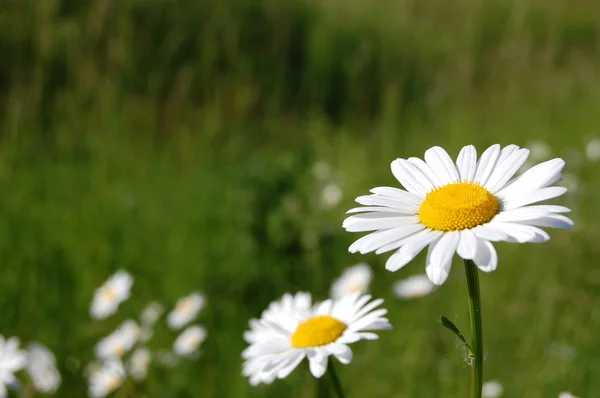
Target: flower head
[41,367]
[138,363]
[185,310]
[11,361]
[119,342]
[459,208]
[106,378]
[354,279]
[592,150]
[566,394]
[111,294]
[413,287]
[292,329]
[492,389]
[188,341]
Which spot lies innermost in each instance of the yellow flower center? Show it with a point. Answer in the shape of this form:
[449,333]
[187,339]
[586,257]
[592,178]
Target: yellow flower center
[356,287]
[109,293]
[459,206]
[186,306]
[318,331]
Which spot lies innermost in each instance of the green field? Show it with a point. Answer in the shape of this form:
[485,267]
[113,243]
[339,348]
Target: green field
[177,140]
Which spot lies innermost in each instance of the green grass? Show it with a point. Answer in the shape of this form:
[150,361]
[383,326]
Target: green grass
[177,142]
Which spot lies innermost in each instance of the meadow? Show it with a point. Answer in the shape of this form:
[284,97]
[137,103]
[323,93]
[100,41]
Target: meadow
[178,141]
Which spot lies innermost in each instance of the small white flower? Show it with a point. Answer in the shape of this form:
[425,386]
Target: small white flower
[111,294]
[146,333]
[185,310]
[11,361]
[291,330]
[321,170]
[151,313]
[414,286]
[459,208]
[354,279]
[492,389]
[116,344]
[331,195]
[105,378]
[41,367]
[139,362]
[189,340]
[566,394]
[592,150]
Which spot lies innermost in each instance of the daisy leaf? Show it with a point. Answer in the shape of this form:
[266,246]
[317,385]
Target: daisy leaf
[448,324]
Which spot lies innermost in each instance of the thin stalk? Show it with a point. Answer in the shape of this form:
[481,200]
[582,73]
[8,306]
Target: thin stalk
[337,386]
[476,329]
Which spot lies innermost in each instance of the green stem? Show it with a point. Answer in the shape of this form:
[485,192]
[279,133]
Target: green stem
[337,386]
[476,329]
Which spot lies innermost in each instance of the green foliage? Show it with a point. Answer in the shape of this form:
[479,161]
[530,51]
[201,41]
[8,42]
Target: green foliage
[176,139]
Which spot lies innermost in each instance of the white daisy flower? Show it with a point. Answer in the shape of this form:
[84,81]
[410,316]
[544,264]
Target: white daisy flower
[112,293]
[188,341]
[119,342]
[105,378]
[151,313]
[413,287]
[566,394]
[11,361]
[354,279]
[492,389]
[331,195]
[291,329]
[138,363]
[592,150]
[186,310]
[458,208]
[41,367]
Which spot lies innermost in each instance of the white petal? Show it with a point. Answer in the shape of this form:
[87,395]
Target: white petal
[533,197]
[342,352]
[486,257]
[521,233]
[379,200]
[439,257]
[551,221]
[539,176]
[427,170]
[317,363]
[467,163]
[291,364]
[467,246]
[506,152]
[441,163]
[520,214]
[505,170]
[411,177]
[486,164]
[375,240]
[401,242]
[488,232]
[375,221]
[411,248]
[399,194]
[366,209]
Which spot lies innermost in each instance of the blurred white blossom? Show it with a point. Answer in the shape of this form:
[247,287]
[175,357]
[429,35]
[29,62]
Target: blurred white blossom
[111,294]
[186,310]
[11,361]
[492,389]
[592,150]
[354,279]
[120,341]
[41,367]
[138,364]
[188,341]
[105,378]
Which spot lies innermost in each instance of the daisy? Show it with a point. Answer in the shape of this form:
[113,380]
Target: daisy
[151,313]
[331,195]
[189,340]
[105,378]
[112,293]
[116,344]
[41,367]
[413,287]
[566,394]
[458,208]
[492,389]
[11,361]
[291,329]
[138,363]
[592,150]
[353,279]
[185,310]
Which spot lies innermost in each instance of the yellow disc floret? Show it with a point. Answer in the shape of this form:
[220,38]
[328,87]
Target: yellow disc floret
[318,331]
[459,206]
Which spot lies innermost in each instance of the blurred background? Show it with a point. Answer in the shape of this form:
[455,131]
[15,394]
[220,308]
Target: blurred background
[215,146]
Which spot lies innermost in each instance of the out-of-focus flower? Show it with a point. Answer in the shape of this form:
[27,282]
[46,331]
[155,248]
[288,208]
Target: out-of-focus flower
[111,294]
[151,313]
[186,310]
[539,150]
[116,344]
[188,341]
[321,170]
[492,389]
[566,394]
[354,279]
[105,378]
[11,361]
[138,364]
[331,195]
[413,287]
[592,150]
[41,367]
